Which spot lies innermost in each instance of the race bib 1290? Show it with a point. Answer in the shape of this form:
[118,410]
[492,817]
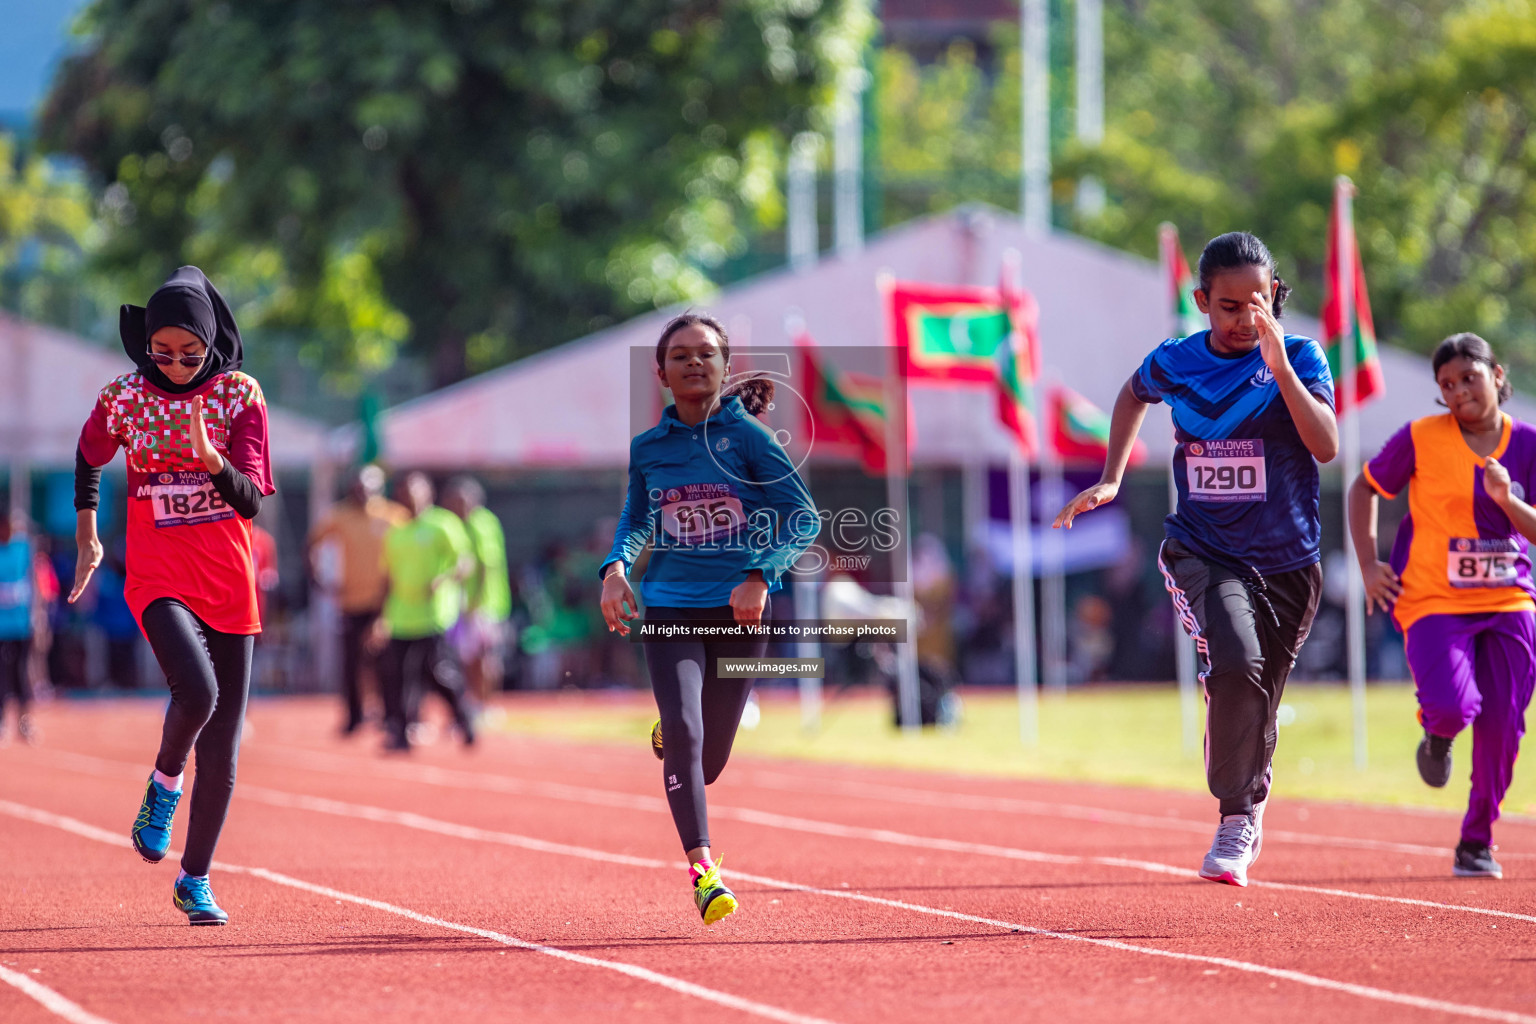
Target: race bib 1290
[1228,470]
[1476,562]
[701,513]
[182,499]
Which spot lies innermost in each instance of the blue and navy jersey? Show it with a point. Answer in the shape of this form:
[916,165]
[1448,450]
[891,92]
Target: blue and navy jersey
[716,501]
[1247,484]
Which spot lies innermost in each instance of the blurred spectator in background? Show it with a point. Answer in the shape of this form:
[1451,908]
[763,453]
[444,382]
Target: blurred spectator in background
[428,558]
[1092,640]
[112,615]
[346,551]
[18,597]
[45,582]
[264,560]
[479,636]
[933,588]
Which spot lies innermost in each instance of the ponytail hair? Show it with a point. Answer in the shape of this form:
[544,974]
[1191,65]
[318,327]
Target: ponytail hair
[1240,249]
[1471,347]
[754,389]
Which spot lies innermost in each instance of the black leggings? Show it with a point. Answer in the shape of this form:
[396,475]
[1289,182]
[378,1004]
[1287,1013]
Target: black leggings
[210,674]
[14,656]
[1248,630]
[699,712]
[405,668]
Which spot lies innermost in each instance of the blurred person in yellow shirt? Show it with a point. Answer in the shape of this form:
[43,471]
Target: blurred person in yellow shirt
[346,550]
[480,634]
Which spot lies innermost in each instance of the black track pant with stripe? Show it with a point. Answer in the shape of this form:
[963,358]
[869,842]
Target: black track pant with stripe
[1248,630]
[209,673]
[699,712]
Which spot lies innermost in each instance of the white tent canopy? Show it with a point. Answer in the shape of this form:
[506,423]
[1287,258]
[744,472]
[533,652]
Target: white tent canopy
[1101,311]
[49,380]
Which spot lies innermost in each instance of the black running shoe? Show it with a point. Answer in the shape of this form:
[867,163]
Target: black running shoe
[1435,759]
[1475,860]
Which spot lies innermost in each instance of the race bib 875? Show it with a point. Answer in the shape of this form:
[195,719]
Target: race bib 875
[1479,562]
[182,499]
[1227,470]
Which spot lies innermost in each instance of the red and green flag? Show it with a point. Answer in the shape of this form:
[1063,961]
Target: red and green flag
[1187,318]
[952,334]
[1080,429]
[1017,368]
[847,409]
[1346,306]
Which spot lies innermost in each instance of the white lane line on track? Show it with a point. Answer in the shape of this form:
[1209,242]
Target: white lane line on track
[416,821]
[342,764]
[453,778]
[666,981]
[50,1000]
[1075,812]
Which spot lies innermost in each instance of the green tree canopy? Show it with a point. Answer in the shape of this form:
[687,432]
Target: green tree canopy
[476,180]
[1225,115]
[46,223]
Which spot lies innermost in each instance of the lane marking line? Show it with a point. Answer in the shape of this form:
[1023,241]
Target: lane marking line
[1279,973]
[666,981]
[50,1000]
[446,777]
[342,764]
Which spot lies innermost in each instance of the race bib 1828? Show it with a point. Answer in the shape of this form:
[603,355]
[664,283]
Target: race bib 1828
[181,499]
[701,513]
[1476,562]
[1228,470]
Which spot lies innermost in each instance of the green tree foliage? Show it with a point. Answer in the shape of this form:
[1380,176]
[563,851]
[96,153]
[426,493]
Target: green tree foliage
[1226,115]
[476,180]
[46,222]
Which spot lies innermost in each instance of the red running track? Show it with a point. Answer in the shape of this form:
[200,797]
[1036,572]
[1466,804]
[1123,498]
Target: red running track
[535,879]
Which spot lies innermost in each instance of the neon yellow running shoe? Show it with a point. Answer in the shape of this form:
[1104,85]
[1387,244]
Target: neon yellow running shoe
[714,900]
[656,739]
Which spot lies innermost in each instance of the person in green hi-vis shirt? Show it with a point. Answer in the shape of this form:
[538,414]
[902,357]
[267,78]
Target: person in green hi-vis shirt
[480,634]
[427,558]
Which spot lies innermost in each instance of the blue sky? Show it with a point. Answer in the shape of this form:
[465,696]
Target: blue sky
[33,35]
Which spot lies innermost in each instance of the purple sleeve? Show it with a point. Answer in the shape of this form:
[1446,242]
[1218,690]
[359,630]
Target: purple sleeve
[1392,467]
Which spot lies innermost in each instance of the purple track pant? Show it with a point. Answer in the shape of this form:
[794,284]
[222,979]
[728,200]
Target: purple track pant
[1477,670]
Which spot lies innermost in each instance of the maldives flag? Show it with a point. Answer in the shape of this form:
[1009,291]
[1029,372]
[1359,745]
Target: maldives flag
[953,334]
[1346,306]
[1080,429]
[1017,367]
[1187,318]
[847,409]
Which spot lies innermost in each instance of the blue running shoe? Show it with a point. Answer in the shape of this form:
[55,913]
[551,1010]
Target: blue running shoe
[152,828]
[193,898]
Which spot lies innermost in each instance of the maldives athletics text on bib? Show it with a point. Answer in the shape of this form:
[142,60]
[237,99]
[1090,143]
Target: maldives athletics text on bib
[701,513]
[1226,470]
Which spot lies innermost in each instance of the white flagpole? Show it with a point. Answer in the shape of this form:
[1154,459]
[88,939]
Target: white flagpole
[1023,599]
[1090,96]
[1053,578]
[1035,72]
[908,704]
[806,598]
[1354,608]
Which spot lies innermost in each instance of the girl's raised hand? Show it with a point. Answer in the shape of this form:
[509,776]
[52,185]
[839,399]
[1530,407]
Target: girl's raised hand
[1271,336]
[1496,480]
[201,445]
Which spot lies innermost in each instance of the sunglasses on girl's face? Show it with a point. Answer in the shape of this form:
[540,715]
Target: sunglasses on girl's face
[162,359]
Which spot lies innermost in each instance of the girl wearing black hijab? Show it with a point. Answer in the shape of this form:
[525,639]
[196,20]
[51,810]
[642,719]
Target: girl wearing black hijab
[194,433]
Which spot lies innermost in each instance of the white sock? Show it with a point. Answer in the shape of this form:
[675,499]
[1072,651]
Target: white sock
[170,782]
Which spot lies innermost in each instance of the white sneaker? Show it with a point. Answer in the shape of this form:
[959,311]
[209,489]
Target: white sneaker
[1233,849]
[1258,830]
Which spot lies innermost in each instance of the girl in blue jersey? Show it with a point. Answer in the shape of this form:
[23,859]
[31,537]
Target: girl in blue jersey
[726,514]
[1252,415]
